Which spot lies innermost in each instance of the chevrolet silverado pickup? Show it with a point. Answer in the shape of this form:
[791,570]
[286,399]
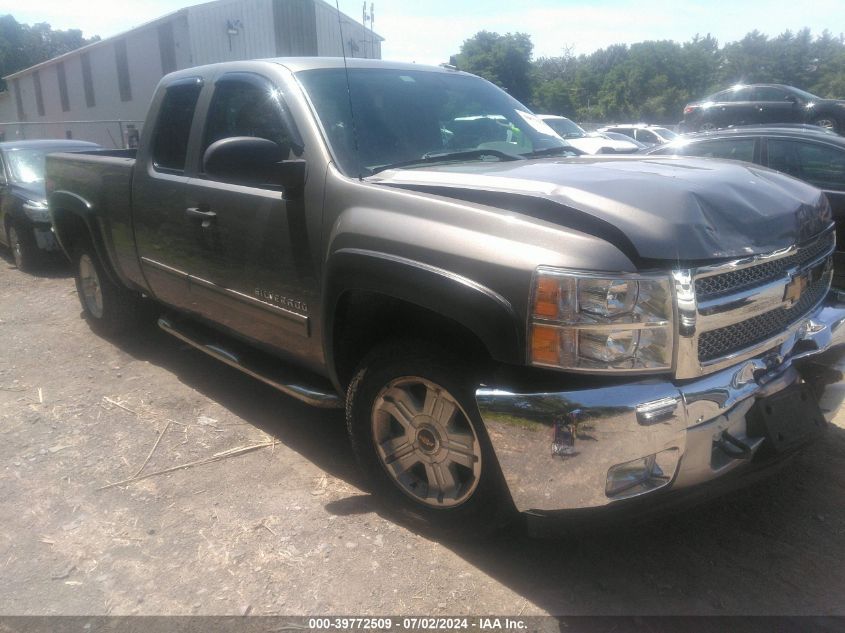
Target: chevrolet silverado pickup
[508,325]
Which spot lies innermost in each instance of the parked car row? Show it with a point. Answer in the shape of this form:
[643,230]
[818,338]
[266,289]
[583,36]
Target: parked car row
[590,143]
[763,103]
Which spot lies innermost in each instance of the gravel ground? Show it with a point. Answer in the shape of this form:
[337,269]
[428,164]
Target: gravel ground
[285,528]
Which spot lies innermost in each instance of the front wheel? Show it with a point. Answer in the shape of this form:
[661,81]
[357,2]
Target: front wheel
[24,249]
[109,309]
[417,434]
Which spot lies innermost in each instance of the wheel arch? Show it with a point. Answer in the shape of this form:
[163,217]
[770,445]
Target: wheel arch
[372,297]
[74,221]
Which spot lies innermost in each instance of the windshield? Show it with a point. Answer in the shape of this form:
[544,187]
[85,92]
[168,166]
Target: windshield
[565,128]
[665,133]
[404,115]
[27,165]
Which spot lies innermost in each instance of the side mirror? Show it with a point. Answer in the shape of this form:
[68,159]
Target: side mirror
[248,160]
[791,99]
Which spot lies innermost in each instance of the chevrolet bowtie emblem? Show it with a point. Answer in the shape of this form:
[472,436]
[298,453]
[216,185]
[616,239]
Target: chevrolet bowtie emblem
[795,288]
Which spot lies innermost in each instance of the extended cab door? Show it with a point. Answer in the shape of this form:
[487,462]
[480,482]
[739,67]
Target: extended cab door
[163,233]
[253,272]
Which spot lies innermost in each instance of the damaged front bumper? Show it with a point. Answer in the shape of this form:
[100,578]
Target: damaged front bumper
[591,447]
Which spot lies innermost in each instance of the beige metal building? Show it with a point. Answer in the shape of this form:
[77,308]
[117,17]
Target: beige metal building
[101,92]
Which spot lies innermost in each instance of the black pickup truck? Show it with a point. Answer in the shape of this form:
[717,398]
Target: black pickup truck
[507,324]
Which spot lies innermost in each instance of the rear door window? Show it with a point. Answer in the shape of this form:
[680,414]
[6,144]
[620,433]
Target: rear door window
[173,127]
[769,93]
[732,149]
[820,165]
[742,94]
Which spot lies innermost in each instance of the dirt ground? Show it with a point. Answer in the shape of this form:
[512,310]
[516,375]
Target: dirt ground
[285,528]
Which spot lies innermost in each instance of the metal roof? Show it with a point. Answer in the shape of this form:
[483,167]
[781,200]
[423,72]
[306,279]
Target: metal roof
[162,18]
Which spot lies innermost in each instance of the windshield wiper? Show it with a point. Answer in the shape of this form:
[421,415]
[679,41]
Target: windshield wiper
[440,157]
[551,151]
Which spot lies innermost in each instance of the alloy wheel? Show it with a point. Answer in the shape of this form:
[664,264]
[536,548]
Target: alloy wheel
[425,442]
[827,124]
[92,291]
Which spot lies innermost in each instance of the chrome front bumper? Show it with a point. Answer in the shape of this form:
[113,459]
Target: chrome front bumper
[556,449]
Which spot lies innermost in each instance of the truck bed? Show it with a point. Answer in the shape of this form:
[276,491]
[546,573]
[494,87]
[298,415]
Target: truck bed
[103,178]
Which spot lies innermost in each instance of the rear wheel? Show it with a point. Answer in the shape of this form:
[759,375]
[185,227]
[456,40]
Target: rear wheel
[707,126]
[24,249]
[109,309]
[417,434]
[828,123]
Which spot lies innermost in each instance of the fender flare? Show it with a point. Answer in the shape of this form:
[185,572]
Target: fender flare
[66,202]
[478,308]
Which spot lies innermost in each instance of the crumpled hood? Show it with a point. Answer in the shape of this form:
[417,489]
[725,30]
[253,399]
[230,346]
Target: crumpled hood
[655,208]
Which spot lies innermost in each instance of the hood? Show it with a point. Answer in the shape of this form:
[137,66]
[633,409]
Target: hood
[660,208]
[34,191]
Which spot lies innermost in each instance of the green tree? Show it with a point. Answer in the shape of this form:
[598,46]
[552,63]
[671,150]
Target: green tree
[504,60]
[652,81]
[22,45]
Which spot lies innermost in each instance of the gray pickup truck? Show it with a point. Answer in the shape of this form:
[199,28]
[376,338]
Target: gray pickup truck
[508,325]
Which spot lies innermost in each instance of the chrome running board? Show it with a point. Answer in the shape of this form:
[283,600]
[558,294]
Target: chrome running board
[257,364]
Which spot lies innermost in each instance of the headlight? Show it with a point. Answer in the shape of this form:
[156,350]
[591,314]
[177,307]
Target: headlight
[36,211]
[589,322]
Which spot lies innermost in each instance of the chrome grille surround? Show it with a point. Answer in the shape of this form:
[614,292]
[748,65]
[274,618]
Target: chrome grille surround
[714,286]
[734,311]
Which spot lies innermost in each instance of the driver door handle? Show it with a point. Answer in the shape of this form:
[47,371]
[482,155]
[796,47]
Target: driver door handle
[199,214]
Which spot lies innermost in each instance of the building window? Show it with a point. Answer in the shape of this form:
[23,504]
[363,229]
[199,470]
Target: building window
[87,81]
[18,101]
[122,70]
[60,73]
[167,47]
[39,97]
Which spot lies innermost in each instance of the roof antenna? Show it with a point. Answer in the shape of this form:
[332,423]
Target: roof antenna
[348,89]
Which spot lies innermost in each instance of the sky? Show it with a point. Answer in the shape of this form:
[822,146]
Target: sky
[429,31]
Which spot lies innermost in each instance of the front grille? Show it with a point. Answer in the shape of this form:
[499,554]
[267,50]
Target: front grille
[733,338]
[730,282]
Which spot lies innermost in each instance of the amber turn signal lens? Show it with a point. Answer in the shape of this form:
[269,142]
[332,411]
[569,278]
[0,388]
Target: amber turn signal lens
[545,347]
[547,297]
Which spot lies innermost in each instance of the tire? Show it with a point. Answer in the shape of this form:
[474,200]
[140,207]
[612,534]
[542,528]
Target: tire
[827,122]
[411,400]
[707,126]
[109,309]
[24,249]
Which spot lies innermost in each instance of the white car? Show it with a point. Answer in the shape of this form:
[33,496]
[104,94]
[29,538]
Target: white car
[650,135]
[590,143]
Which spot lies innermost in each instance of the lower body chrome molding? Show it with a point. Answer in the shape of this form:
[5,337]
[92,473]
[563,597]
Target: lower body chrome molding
[591,447]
